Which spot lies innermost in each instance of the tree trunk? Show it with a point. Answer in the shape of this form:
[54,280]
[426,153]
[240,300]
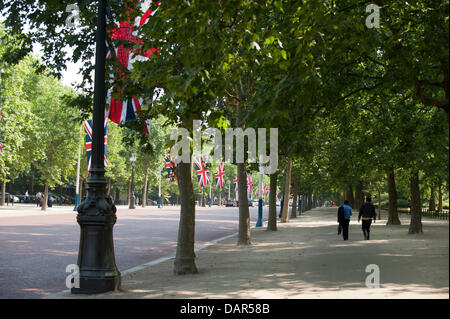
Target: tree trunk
[359,196]
[109,187]
[392,191]
[310,201]
[44,200]
[415,227]
[244,214]
[117,195]
[294,199]
[287,192]
[2,198]
[432,202]
[379,204]
[350,197]
[272,219]
[203,196]
[440,195]
[184,259]
[144,193]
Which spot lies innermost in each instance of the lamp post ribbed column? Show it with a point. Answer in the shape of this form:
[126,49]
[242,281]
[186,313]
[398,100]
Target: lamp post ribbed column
[97,214]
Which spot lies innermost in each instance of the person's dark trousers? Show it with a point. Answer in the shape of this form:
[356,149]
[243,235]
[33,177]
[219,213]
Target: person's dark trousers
[345,223]
[366,227]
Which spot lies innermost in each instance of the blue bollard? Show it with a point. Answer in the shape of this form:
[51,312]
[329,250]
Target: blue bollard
[76,203]
[259,222]
[159,202]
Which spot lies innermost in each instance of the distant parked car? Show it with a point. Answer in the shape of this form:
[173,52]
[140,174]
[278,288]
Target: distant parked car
[27,199]
[230,203]
[9,198]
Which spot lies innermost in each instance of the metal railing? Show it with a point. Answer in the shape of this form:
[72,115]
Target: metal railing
[435,214]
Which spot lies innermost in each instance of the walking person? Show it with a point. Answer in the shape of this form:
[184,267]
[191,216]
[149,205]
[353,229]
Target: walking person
[38,199]
[346,219]
[281,207]
[367,213]
[340,217]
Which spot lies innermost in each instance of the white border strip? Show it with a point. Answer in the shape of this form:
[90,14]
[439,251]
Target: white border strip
[148,264]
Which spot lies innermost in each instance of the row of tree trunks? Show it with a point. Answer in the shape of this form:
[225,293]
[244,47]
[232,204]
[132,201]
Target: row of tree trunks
[287,192]
[432,202]
[2,198]
[244,214]
[184,258]
[44,200]
[440,195]
[145,191]
[294,199]
[415,227]
[272,219]
[392,192]
[359,196]
[108,192]
[348,195]
[379,204]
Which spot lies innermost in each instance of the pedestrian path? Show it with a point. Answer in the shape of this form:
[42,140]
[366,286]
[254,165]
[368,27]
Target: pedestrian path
[306,258]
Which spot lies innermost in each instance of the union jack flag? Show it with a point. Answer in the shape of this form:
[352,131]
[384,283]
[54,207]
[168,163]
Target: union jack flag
[266,190]
[88,129]
[249,183]
[171,168]
[220,176]
[121,111]
[235,183]
[202,172]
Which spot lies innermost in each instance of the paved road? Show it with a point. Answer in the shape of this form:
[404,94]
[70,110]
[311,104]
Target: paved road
[35,249]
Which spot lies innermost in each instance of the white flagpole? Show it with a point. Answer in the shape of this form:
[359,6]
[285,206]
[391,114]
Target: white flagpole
[210,192]
[159,190]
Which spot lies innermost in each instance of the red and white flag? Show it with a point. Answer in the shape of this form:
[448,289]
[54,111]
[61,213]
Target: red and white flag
[220,176]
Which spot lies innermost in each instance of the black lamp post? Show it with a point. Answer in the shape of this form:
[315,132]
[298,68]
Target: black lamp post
[97,214]
[132,197]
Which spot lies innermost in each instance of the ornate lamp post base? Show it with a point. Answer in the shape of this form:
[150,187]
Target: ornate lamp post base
[96,260]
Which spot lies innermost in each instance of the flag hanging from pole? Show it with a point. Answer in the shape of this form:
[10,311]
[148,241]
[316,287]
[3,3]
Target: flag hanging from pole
[220,176]
[124,110]
[249,183]
[88,129]
[235,182]
[202,172]
[171,168]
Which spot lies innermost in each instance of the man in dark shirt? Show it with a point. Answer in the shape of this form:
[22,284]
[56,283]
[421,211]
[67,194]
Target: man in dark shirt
[340,217]
[367,213]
